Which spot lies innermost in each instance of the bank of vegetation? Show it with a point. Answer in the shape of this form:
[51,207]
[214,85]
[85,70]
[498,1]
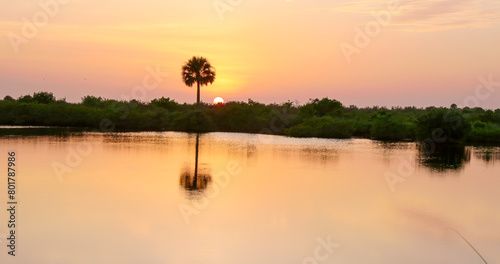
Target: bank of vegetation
[325,118]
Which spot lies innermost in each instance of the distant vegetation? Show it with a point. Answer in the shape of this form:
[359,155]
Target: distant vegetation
[324,118]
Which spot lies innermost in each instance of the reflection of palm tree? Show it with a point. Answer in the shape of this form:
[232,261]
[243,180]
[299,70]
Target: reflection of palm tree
[198,70]
[197,181]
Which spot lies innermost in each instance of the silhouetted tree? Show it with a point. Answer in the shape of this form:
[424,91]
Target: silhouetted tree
[198,70]
[8,98]
[92,101]
[25,99]
[166,103]
[44,97]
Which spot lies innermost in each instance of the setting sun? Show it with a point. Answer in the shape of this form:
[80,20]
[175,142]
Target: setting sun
[218,101]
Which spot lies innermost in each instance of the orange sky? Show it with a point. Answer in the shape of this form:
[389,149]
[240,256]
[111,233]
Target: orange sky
[429,53]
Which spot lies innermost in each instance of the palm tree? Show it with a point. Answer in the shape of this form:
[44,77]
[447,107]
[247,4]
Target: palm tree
[198,70]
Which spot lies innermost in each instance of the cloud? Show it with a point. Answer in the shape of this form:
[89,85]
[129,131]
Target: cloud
[425,15]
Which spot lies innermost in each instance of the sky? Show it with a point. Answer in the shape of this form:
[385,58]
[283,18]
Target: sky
[365,53]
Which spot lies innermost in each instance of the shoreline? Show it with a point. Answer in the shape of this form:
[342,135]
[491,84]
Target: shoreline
[71,131]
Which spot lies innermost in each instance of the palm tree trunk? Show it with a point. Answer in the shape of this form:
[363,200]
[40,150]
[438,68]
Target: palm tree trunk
[198,96]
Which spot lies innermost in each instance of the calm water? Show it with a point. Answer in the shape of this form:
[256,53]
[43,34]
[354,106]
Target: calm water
[239,198]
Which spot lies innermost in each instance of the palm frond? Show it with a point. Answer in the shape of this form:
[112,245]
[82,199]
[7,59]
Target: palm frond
[198,69]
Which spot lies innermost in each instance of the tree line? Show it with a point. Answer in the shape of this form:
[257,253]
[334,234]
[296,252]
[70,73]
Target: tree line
[324,118]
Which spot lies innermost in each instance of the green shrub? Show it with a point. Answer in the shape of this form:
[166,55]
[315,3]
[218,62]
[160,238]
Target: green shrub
[193,121]
[478,124]
[484,134]
[324,127]
[386,127]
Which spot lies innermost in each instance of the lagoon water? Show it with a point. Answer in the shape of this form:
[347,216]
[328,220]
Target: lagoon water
[240,198]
